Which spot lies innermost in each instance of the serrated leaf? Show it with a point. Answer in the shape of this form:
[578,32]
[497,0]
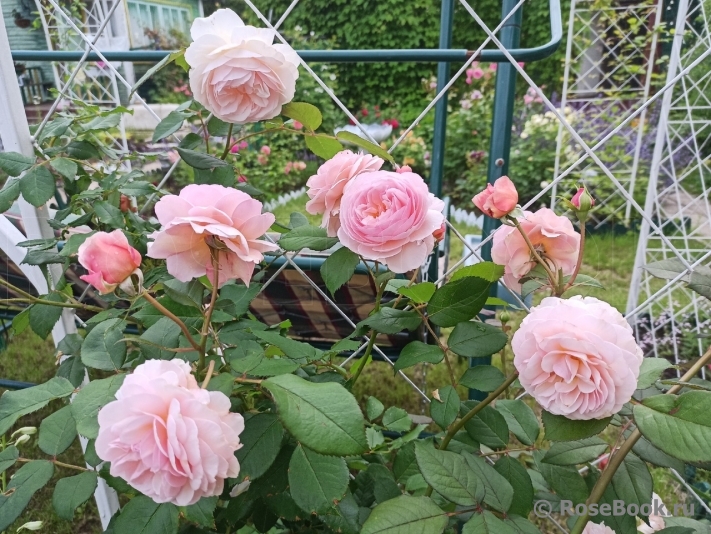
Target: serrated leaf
[396,419]
[307,114]
[488,426]
[486,523]
[444,411]
[186,293]
[90,399]
[102,348]
[8,457]
[15,404]
[520,419]
[323,146]
[307,236]
[72,492]
[143,516]
[482,377]
[317,482]
[201,512]
[324,417]
[102,122]
[458,301]
[82,150]
[43,317]
[566,481]
[55,128]
[73,370]
[65,167]
[14,163]
[339,268]
[498,493]
[575,452]
[37,185]
[200,160]
[472,339]
[419,293]
[9,194]
[418,352]
[485,269]
[406,515]
[108,214]
[170,58]
[559,428]
[392,321]
[632,481]
[169,125]
[516,474]
[651,370]
[57,432]
[261,442]
[157,338]
[30,478]
[373,408]
[296,350]
[449,475]
[357,140]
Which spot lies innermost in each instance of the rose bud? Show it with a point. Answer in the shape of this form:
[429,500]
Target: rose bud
[110,261]
[582,200]
[497,200]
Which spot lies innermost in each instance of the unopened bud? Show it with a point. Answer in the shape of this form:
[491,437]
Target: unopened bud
[31,525]
[504,317]
[24,438]
[25,430]
[582,200]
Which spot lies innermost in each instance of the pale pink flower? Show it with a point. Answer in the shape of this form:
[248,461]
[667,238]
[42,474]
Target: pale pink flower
[404,168]
[205,216]
[656,521]
[497,200]
[577,357]
[492,67]
[299,165]
[327,185]
[390,218]
[167,437]
[236,72]
[287,167]
[552,235]
[262,159]
[527,99]
[298,125]
[593,528]
[265,150]
[477,73]
[466,104]
[476,95]
[109,259]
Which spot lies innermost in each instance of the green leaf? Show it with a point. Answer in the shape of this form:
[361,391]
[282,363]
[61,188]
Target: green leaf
[90,399]
[14,163]
[701,283]
[396,419]
[15,404]
[667,269]
[9,194]
[43,317]
[37,185]
[374,408]
[324,417]
[170,124]
[473,339]
[444,412]
[65,167]
[458,301]
[42,257]
[584,280]
[488,426]
[482,377]
[162,335]
[8,457]
[55,128]
[406,515]
[575,452]
[322,145]
[296,350]
[632,481]
[566,481]
[143,516]
[261,443]
[82,150]
[102,348]
[487,523]
[339,268]
[516,474]
[71,245]
[73,370]
[651,370]
[102,122]
[201,512]
[392,321]
[419,293]
[485,269]
[520,419]
[170,58]
[255,363]
[311,237]
[649,453]
[72,492]
[307,114]
[521,525]
[685,431]
[108,214]
[449,475]
[138,188]
[30,478]
[200,160]
[498,493]
[185,293]
[239,297]
[559,428]
[317,482]
[57,432]
[224,176]
[417,352]
[371,147]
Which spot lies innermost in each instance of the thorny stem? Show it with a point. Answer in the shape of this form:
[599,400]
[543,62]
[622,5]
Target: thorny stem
[227,144]
[580,258]
[371,339]
[57,463]
[618,457]
[241,380]
[441,346]
[508,451]
[551,276]
[208,375]
[215,255]
[170,315]
[412,281]
[27,297]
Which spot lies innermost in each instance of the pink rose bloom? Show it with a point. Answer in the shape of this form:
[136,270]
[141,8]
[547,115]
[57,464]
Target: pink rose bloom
[287,168]
[298,125]
[390,218]
[466,104]
[327,185]
[228,219]
[404,168]
[497,200]
[262,159]
[299,165]
[577,357]
[527,99]
[656,522]
[265,150]
[109,259]
[236,72]
[553,236]
[492,67]
[593,528]
[167,437]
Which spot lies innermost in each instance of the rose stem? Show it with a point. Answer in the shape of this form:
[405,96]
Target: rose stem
[157,305]
[580,258]
[373,335]
[208,375]
[617,458]
[227,143]
[215,256]
[534,252]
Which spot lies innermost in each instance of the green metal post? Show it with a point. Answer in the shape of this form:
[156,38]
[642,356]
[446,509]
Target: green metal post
[440,120]
[500,145]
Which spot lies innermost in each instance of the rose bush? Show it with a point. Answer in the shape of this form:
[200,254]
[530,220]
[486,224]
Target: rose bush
[206,417]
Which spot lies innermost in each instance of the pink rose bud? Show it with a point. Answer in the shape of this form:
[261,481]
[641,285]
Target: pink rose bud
[499,199]
[242,179]
[298,125]
[287,168]
[582,200]
[110,261]
[439,233]
[125,204]
[265,150]
[404,168]
[235,148]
